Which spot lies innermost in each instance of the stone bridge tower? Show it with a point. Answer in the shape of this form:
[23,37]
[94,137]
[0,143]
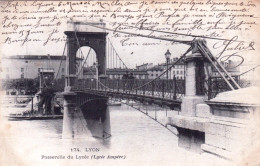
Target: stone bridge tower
[83,112]
[80,35]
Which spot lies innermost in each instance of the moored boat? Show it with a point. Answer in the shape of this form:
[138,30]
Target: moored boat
[34,117]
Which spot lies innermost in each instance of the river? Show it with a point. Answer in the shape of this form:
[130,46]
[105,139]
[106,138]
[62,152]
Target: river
[136,140]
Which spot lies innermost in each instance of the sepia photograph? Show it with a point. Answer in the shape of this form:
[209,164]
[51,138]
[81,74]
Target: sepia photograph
[121,82]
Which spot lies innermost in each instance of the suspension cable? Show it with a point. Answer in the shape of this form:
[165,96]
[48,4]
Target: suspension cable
[173,64]
[212,59]
[183,42]
[81,51]
[88,54]
[152,118]
[61,60]
[165,70]
[148,116]
[117,53]
[75,33]
[248,70]
[136,34]
[83,63]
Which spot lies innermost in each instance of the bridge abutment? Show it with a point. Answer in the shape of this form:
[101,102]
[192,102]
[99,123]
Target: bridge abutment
[225,126]
[233,128]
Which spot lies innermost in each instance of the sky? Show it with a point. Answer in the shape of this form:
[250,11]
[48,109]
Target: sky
[130,53]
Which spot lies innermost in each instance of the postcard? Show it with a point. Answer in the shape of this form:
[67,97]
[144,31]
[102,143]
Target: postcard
[121,82]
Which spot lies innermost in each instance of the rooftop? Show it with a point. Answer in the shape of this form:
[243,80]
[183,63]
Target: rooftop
[230,66]
[155,68]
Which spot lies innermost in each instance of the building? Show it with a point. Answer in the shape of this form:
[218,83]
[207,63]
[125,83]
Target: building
[144,66]
[178,70]
[28,66]
[154,72]
[230,67]
[116,73]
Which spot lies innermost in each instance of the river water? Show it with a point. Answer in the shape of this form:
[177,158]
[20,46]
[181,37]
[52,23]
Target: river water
[136,140]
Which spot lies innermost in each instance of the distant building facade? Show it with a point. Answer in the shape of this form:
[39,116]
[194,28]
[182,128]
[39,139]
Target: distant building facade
[154,72]
[230,67]
[28,66]
[144,66]
[178,70]
[116,73]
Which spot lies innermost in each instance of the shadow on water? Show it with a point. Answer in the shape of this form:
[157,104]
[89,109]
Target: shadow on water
[94,118]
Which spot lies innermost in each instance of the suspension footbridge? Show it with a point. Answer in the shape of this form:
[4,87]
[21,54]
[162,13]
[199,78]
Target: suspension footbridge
[86,99]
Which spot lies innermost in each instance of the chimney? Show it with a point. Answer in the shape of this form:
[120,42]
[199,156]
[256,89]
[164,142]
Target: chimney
[229,63]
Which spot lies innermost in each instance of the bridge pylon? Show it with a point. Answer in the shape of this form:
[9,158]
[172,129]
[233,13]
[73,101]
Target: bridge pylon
[85,113]
[196,67]
[191,131]
[81,35]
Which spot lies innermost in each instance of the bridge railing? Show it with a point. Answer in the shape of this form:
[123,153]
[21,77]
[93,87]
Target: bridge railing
[217,85]
[172,89]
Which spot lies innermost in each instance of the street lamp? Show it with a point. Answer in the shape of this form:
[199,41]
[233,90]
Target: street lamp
[167,56]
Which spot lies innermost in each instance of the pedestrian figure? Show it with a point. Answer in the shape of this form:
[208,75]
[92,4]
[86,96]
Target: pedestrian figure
[131,76]
[131,80]
[126,75]
[125,78]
